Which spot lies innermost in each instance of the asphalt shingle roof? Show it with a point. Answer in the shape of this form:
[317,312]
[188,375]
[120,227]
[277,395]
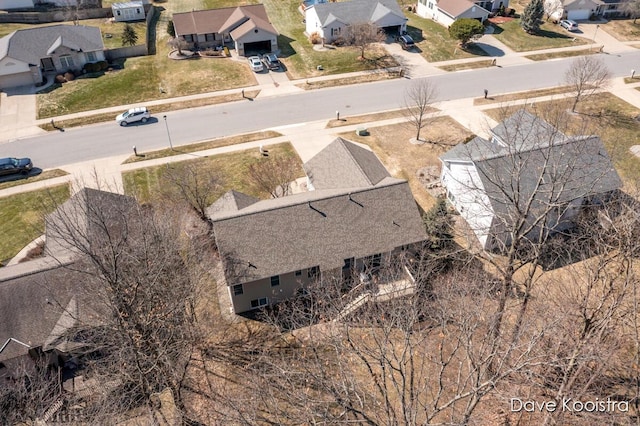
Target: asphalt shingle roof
[223,20]
[31,45]
[357,11]
[321,227]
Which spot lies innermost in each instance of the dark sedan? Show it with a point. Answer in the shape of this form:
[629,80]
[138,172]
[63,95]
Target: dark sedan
[10,166]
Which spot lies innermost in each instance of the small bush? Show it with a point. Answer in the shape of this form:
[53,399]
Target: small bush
[69,76]
[102,65]
[340,41]
[60,79]
[315,38]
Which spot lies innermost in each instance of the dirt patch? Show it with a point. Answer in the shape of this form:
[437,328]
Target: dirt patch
[500,19]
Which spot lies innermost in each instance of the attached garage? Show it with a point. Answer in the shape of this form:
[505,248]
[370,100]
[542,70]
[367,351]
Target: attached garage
[257,47]
[578,10]
[578,15]
[15,80]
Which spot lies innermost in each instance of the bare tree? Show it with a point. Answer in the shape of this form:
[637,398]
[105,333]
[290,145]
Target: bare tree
[273,174]
[632,8]
[586,75]
[418,101]
[363,34]
[195,186]
[142,279]
[178,43]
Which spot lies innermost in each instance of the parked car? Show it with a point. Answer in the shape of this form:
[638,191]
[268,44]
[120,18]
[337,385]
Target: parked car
[255,64]
[271,61]
[569,25]
[406,41]
[10,166]
[132,115]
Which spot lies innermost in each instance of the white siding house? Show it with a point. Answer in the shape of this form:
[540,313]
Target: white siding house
[528,178]
[446,12]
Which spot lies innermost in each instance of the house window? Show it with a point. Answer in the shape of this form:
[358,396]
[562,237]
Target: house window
[451,197]
[430,5]
[91,56]
[298,272]
[238,290]
[313,272]
[210,37]
[256,303]
[118,12]
[335,31]
[188,38]
[66,61]
[138,11]
[275,281]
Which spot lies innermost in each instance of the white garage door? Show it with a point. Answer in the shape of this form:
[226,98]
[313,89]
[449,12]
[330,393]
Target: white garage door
[15,80]
[578,15]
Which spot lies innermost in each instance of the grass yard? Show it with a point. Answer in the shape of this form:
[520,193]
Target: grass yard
[141,79]
[368,118]
[147,184]
[565,54]
[522,95]
[49,174]
[299,56]
[607,116]
[22,217]
[403,160]
[468,65]
[623,29]
[551,36]
[435,43]
[215,143]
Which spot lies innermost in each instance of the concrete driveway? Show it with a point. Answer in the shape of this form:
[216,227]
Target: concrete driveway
[594,31]
[18,114]
[413,63]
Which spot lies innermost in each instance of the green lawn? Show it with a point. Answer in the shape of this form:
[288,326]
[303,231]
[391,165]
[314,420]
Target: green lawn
[550,36]
[22,217]
[623,29]
[434,41]
[146,184]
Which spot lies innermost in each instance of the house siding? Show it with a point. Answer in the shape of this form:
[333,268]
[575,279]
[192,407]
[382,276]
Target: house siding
[312,22]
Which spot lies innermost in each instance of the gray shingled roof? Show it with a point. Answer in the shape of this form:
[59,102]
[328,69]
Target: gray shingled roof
[32,302]
[343,164]
[370,212]
[31,45]
[356,11]
[223,20]
[533,158]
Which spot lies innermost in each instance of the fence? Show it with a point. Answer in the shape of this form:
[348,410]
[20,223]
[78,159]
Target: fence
[125,52]
[60,15]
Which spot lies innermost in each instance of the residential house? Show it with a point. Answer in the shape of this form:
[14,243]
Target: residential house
[30,4]
[27,55]
[42,300]
[331,20]
[446,12]
[527,172]
[580,10]
[355,217]
[248,27]
[129,11]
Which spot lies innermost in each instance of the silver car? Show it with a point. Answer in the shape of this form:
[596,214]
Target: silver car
[132,115]
[255,64]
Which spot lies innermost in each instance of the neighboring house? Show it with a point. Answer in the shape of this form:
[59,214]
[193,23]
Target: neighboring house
[579,10]
[248,27]
[27,55]
[446,12]
[130,11]
[526,166]
[354,218]
[43,299]
[331,20]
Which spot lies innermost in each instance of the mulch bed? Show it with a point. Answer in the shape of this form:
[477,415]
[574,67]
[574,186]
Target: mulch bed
[500,19]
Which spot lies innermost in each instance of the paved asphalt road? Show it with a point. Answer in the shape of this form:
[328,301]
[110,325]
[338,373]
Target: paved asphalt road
[187,126]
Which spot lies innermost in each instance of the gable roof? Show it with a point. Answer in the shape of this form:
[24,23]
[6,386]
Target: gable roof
[532,158]
[34,297]
[578,4]
[355,11]
[323,227]
[343,164]
[455,8]
[223,20]
[31,45]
